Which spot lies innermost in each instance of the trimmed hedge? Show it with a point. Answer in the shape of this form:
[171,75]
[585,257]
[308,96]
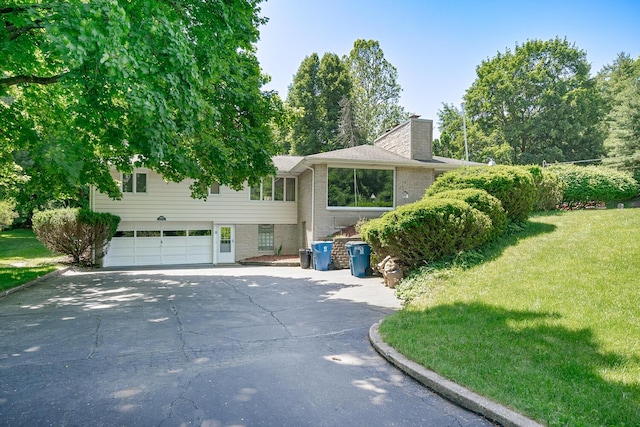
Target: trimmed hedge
[75,232]
[549,188]
[585,184]
[427,230]
[512,185]
[482,201]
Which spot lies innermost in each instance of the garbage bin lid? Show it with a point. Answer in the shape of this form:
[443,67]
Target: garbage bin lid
[356,243]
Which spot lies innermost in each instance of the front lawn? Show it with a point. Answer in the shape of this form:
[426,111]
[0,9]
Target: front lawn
[23,258]
[548,325]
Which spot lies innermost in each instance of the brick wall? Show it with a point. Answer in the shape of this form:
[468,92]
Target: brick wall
[412,139]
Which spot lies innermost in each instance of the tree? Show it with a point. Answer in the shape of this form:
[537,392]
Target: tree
[172,86]
[620,83]
[481,147]
[376,92]
[541,100]
[316,92]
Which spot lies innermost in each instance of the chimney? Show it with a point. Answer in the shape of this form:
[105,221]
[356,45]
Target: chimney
[412,139]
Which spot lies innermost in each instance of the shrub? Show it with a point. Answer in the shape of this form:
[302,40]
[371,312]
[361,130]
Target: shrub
[75,232]
[482,201]
[7,214]
[512,185]
[549,188]
[427,230]
[586,184]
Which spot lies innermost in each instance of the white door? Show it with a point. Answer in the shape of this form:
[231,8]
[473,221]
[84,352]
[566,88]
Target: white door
[225,239]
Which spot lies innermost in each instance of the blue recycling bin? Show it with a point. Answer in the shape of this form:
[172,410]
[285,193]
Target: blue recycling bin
[321,255]
[359,258]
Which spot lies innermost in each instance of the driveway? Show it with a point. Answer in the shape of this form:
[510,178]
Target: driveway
[233,346]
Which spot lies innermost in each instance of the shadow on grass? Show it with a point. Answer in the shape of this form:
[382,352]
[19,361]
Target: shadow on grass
[523,359]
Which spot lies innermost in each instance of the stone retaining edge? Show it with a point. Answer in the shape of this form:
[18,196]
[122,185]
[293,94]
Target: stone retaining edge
[33,282]
[448,389]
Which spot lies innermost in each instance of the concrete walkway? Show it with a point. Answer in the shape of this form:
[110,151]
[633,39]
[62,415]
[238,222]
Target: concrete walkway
[241,346]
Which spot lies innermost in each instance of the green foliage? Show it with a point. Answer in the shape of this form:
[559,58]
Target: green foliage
[316,92]
[7,214]
[85,86]
[540,100]
[549,188]
[376,91]
[427,230]
[75,232]
[481,147]
[595,183]
[482,201]
[621,85]
[512,185]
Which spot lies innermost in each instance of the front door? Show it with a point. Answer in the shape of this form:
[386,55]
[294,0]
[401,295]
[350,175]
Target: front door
[225,244]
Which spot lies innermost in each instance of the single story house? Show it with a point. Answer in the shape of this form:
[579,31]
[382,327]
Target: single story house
[310,198]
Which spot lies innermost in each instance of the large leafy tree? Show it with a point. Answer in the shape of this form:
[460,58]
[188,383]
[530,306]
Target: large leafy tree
[541,100]
[481,147]
[376,91]
[316,93]
[172,86]
[620,83]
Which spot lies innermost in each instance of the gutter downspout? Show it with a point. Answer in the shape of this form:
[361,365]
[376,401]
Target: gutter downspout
[313,202]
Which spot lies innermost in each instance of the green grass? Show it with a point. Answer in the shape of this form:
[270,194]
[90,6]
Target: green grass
[548,324]
[23,258]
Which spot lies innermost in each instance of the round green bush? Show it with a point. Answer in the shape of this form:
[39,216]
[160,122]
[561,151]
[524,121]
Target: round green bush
[586,184]
[482,201]
[427,230]
[512,185]
[549,188]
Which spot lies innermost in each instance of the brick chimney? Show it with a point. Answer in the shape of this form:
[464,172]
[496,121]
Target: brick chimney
[412,139]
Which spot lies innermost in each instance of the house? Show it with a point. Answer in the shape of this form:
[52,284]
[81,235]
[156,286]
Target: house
[310,198]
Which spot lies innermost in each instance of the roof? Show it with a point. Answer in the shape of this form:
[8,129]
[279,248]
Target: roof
[364,155]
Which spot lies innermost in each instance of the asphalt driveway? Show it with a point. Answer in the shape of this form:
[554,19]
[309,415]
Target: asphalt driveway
[236,346]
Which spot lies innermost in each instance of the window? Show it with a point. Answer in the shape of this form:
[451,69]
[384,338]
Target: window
[360,188]
[137,185]
[275,189]
[265,237]
[196,233]
[215,188]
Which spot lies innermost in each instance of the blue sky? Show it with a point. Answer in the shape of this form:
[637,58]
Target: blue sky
[436,46]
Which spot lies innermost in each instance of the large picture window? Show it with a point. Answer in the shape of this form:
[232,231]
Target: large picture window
[360,188]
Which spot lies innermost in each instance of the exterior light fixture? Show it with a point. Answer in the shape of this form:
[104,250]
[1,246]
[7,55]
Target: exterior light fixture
[162,218]
[373,197]
[491,162]
[405,195]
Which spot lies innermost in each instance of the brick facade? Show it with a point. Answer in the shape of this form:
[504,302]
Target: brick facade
[412,139]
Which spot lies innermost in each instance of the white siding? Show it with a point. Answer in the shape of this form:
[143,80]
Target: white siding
[173,201]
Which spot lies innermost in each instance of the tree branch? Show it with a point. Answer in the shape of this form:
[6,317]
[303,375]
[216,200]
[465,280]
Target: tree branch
[16,80]
[15,32]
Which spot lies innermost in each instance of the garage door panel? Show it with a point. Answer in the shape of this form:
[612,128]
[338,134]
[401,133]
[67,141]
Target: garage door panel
[161,244]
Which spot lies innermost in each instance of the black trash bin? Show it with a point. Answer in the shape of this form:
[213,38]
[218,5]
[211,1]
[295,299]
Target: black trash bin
[305,258]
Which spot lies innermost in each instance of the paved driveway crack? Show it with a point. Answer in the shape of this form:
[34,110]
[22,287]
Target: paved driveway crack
[272,313]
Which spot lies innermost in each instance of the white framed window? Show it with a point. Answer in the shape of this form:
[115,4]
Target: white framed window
[277,189]
[134,182]
[214,188]
[265,237]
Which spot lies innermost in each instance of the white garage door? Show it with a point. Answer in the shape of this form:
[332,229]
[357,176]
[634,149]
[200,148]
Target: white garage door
[161,243]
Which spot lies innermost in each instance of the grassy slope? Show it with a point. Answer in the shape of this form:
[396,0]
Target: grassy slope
[550,327]
[23,258]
